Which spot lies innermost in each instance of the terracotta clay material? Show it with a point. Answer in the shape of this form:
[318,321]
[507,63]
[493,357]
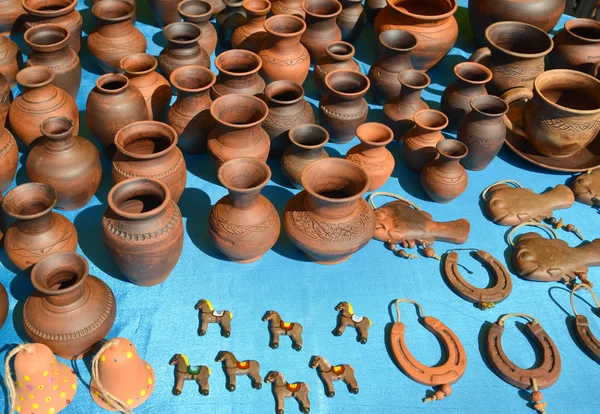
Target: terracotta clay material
[293,7]
[199,12]
[232,368]
[339,56]
[577,46]
[351,20]
[444,178]
[61,12]
[586,188]
[321,27]
[419,145]
[164,11]
[307,142]
[330,373]
[585,337]
[283,389]
[228,20]
[238,73]
[347,317]
[10,58]
[278,327]
[5,99]
[373,7]
[9,159]
[208,315]
[11,20]
[3,305]
[183,48]
[252,35]
[186,372]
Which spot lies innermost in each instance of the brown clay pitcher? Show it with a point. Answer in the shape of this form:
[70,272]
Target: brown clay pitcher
[5,98]
[200,12]
[293,7]
[577,46]
[252,35]
[419,145]
[10,58]
[351,20]
[307,145]
[339,56]
[164,11]
[238,73]
[11,19]
[61,12]
[321,27]
[183,48]
[9,160]
[444,178]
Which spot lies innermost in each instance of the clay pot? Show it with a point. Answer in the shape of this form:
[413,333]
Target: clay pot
[483,131]
[577,46]
[115,27]
[199,12]
[373,7]
[252,35]
[371,153]
[3,305]
[190,114]
[39,101]
[329,220]
[445,178]
[351,20]
[10,58]
[420,143]
[432,22]
[164,11]
[228,20]
[113,91]
[307,145]
[284,57]
[339,56]
[183,48]
[344,107]
[244,225]
[11,17]
[149,149]
[287,108]
[61,12]
[49,44]
[397,47]
[133,3]
[68,163]
[5,98]
[239,132]
[321,27]
[9,159]
[238,73]
[293,7]
[38,231]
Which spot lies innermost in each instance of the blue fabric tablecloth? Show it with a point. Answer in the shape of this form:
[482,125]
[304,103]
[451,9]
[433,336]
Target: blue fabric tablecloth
[161,320]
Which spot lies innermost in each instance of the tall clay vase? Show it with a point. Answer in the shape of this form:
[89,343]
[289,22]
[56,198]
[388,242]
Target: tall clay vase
[307,145]
[321,27]
[38,231]
[372,155]
[199,12]
[238,73]
[11,17]
[143,230]
[329,221]
[164,11]
[5,98]
[244,225]
[343,109]
[228,20]
[351,20]
[61,12]
[397,47]
[9,159]
[293,7]
[149,149]
[252,35]
[577,46]
[70,310]
[419,145]
[445,178]
[183,48]
[339,56]
[10,58]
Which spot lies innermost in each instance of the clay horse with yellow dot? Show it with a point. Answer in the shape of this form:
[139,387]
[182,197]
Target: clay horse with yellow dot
[185,372]
[330,373]
[278,327]
[208,314]
[346,317]
[232,368]
[283,389]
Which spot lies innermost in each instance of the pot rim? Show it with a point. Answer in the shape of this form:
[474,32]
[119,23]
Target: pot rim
[322,16]
[138,55]
[373,143]
[567,72]
[401,78]
[262,11]
[232,163]
[48,27]
[453,142]
[190,41]
[586,23]
[112,77]
[60,135]
[278,33]
[24,188]
[405,12]
[230,3]
[133,181]
[351,95]
[319,128]
[490,98]
[435,111]
[334,160]
[479,66]
[518,54]
[173,78]
[338,56]
[239,126]
[48,13]
[75,259]
[290,85]
[398,49]
[123,18]
[231,52]
[164,130]
[32,69]
[200,17]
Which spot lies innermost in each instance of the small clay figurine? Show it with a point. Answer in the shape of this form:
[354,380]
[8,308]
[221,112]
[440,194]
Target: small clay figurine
[232,368]
[583,333]
[283,389]
[346,317]
[586,187]
[208,314]
[278,327]
[185,372]
[329,373]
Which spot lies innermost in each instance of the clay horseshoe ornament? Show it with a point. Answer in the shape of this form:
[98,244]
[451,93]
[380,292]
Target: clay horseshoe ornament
[587,340]
[439,376]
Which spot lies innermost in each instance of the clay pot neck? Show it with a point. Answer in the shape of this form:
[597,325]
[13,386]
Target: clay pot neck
[62,280]
[321,15]
[31,205]
[112,84]
[48,39]
[488,107]
[284,33]
[413,82]
[244,178]
[49,8]
[238,68]
[114,28]
[472,77]
[190,101]
[518,40]
[183,38]
[450,153]
[374,137]
[282,94]
[140,65]
[340,51]
[397,47]
[429,125]
[308,140]
[195,11]
[36,83]
[584,30]
[239,119]
[145,140]
[347,86]
[193,85]
[256,13]
[59,134]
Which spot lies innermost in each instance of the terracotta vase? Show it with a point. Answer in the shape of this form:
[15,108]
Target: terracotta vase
[321,27]
[133,3]
[10,58]
[307,145]
[483,131]
[329,220]
[432,22]
[397,47]
[38,231]
[577,46]
[3,305]
[199,12]
[5,98]
[39,101]
[445,178]
[164,11]
[9,159]
[287,108]
[344,107]
[339,56]
[61,12]
[11,17]
[183,48]
[244,225]
[49,44]
[68,163]
[293,7]
[419,145]
[284,57]
[149,149]
[228,20]
[252,35]
[373,7]
[238,73]
[351,20]
[239,132]
[190,114]
[372,155]
[115,27]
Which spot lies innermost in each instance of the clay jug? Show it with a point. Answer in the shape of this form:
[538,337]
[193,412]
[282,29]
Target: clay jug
[9,159]
[287,108]
[397,47]
[11,19]
[419,145]
[61,12]
[10,58]
[445,178]
[38,231]
[164,11]
[239,132]
[351,20]
[284,57]
[321,27]
[244,225]
[200,12]
[228,20]
[3,302]
[344,107]
[190,114]
[373,7]
[149,149]
[577,46]
[68,163]
[372,155]
[293,7]
[49,44]
[238,73]
[252,35]
[5,98]
[39,101]
[329,220]
[339,56]
[432,22]
[307,145]
[483,131]
[183,48]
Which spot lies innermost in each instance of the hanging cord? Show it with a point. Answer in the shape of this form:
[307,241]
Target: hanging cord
[548,229]
[403,300]
[111,400]
[537,398]
[578,287]
[484,193]
[503,318]
[396,196]
[10,382]
[463,249]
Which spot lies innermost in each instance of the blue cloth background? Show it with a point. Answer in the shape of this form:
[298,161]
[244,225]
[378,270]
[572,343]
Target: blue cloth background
[161,320]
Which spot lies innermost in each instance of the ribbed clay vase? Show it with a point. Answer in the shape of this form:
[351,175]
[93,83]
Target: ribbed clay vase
[307,144]
[577,46]
[252,35]
[238,73]
[9,160]
[339,56]
[38,231]
[164,11]
[190,114]
[419,144]
[10,58]
[5,98]
[62,12]
[183,48]
[200,12]
[351,20]
[70,311]
[329,221]
[372,155]
[143,230]
[149,149]
[228,20]
[321,27]
[244,225]
[444,178]
[11,19]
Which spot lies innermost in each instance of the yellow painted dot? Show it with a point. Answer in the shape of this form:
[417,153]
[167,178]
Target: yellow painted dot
[129,355]
[45,373]
[102,358]
[26,378]
[55,387]
[53,360]
[21,397]
[56,372]
[51,410]
[48,399]
[31,396]
[19,384]
[63,395]
[147,366]
[149,380]
[18,408]
[143,392]
[65,379]
[129,401]
[40,387]
[34,405]
[74,386]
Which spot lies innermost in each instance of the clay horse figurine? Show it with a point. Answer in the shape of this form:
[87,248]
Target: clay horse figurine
[209,315]
[278,327]
[232,368]
[346,317]
[185,372]
[329,373]
[283,389]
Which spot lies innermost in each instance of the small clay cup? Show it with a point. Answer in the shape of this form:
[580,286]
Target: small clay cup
[307,145]
[238,73]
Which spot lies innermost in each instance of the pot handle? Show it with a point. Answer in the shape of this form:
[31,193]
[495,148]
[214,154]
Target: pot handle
[512,96]
[480,54]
